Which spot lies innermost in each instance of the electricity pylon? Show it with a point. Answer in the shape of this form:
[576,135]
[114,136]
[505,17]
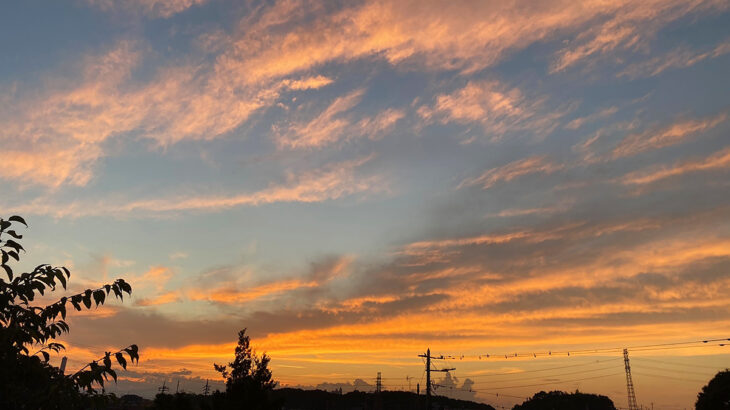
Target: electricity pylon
[629,383]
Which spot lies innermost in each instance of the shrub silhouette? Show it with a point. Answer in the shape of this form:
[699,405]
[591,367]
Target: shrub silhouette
[716,394]
[28,333]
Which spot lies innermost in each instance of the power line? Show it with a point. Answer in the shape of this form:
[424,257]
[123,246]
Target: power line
[544,369]
[555,382]
[554,375]
[716,368]
[659,346]
[643,366]
[670,377]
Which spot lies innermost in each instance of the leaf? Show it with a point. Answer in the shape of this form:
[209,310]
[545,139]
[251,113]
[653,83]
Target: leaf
[61,278]
[8,271]
[87,298]
[4,225]
[15,245]
[117,292]
[15,234]
[113,374]
[99,297]
[14,255]
[122,361]
[107,360]
[124,286]
[46,356]
[4,257]
[56,347]
[133,352]
[16,218]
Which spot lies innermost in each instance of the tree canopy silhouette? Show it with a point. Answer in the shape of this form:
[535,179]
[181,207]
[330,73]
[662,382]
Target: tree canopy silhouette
[28,332]
[249,381]
[716,394]
[566,401]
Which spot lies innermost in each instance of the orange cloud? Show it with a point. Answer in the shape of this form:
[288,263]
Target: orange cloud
[376,127]
[330,182]
[461,35]
[670,135]
[163,299]
[308,83]
[628,25]
[326,128]
[156,277]
[151,8]
[579,122]
[681,57]
[717,161]
[515,169]
[498,108]
[227,294]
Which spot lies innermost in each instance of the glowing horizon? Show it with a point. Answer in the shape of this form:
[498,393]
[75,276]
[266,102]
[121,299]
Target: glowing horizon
[357,182]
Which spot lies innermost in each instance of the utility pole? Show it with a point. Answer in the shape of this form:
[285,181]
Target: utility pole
[428,375]
[629,383]
[378,384]
[164,388]
[177,389]
[206,388]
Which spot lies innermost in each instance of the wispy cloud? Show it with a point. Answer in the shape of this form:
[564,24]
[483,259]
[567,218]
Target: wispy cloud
[672,134]
[308,83]
[539,164]
[150,8]
[178,255]
[331,182]
[681,57]
[162,299]
[335,123]
[325,128]
[461,36]
[627,26]
[717,161]
[239,291]
[576,123]
[497,107]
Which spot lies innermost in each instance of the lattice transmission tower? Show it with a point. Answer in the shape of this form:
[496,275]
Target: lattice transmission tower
[630,383]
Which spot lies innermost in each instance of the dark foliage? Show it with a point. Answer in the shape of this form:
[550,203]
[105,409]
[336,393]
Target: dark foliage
[249,382]
[566,401]
[28,333]
[716,394]
[387,400]
[318,400]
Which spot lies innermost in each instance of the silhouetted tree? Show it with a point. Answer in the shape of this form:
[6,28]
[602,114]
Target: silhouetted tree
[249,381]
[566,401]
[28,333]
[716,394]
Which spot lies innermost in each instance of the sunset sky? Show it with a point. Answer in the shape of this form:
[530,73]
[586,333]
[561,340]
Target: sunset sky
[356,181]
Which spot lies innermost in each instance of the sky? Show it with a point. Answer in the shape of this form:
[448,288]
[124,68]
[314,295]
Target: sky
[355,182]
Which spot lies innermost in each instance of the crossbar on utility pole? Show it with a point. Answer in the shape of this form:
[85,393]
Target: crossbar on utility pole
[428,358]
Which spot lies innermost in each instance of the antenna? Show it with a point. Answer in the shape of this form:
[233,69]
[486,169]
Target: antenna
[164,388]
[206,388]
